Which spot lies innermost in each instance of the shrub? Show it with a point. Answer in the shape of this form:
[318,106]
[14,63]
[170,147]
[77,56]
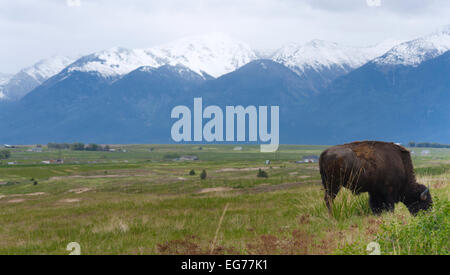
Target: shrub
[192,172]
[262,174]
[203,175]
[5,154]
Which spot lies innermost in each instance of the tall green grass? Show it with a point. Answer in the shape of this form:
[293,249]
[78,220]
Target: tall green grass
[344,206]
[427,233]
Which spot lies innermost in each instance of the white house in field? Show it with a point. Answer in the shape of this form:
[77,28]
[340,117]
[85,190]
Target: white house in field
[309,159]
[188,158]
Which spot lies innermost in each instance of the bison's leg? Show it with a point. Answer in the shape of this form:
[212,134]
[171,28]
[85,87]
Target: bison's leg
[375,203]
[331,192]
[388,204]
[380,202]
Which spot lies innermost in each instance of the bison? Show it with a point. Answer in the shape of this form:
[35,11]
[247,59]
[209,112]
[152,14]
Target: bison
[382,169]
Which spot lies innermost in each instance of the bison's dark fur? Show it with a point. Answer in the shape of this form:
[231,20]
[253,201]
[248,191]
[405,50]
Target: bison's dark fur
[383,169]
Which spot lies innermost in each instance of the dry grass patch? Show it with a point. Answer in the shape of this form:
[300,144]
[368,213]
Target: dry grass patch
[114,225]
[79,190]
[215,189]
[16,200]
[36,194]
[191,245]
[244,169]
[70,200]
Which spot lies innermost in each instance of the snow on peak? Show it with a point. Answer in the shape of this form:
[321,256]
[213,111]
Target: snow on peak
[4,78]
[318,54]
[47,68]
[414,52]
[215,54]
[115,61]
[16,86]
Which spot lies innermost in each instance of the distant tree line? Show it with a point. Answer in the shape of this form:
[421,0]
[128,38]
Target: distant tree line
[78,146]
[428,144]
[59,146]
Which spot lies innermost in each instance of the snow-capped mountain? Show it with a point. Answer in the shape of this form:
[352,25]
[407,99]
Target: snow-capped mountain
[4,78]
[414,52]
[114,62]
[168,71]
[29,78]
[48,67]
[214,54]
[320,62]
[319,54]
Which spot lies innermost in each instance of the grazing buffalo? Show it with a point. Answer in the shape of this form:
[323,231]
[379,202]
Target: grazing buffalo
[383,169]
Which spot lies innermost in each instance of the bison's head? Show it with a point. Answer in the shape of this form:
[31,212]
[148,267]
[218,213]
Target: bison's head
[419,199]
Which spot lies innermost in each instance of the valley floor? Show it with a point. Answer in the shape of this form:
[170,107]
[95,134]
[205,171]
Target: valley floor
[139,200]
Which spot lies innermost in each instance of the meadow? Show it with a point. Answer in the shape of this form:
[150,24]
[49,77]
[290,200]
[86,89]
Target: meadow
[140,199]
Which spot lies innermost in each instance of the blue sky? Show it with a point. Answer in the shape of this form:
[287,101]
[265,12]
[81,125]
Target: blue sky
[34,29]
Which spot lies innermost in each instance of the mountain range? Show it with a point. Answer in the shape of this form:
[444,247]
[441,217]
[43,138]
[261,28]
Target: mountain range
[327,93]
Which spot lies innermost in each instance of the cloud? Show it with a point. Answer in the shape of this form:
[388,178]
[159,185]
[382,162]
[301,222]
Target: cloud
[35,29]
[73,3]
[373,3]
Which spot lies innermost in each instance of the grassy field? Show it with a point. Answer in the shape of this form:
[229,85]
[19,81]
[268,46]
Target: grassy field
[138,200]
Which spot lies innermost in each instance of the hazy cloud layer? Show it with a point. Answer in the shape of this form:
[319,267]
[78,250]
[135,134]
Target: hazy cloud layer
[34,29]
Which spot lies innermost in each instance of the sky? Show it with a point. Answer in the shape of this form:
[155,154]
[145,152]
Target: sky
[31,30]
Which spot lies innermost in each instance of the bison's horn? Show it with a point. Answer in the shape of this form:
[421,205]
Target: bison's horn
[423,195]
